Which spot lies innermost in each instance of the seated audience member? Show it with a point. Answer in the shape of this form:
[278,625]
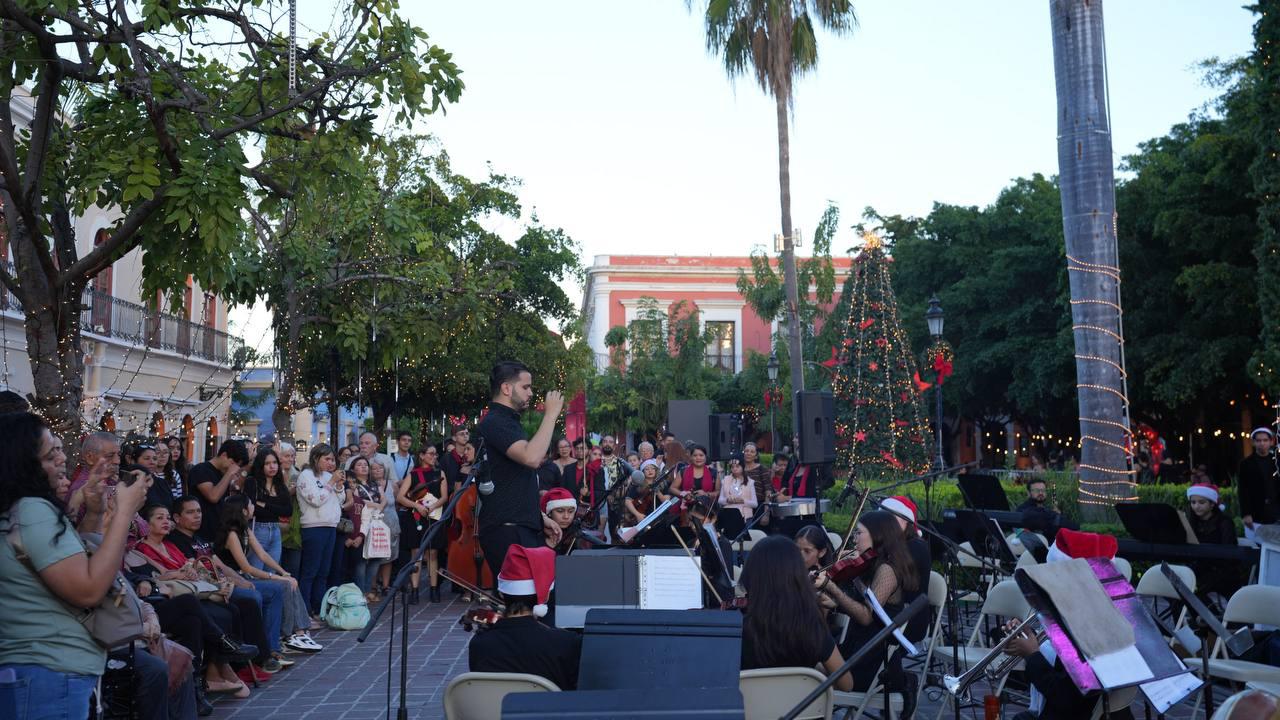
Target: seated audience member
[738,497]
[1212,526]
[235,544]
[1054,695]
[253,608]
[49,663]
[783,626]
[518,643]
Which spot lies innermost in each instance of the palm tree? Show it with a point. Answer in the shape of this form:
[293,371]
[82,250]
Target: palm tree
[775,41]
[1088,221]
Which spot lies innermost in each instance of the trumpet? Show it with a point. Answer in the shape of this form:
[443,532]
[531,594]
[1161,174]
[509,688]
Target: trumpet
[984,668]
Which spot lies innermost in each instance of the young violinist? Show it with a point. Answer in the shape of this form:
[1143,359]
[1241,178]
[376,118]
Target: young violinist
[891,576]
[643,498]
[559,505]
[519,643]
[817,552]
[783,626]
[589,487]
[907,515]
[714,551]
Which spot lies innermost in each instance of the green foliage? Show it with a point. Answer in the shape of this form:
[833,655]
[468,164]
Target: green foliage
[763,290]
[1264,100]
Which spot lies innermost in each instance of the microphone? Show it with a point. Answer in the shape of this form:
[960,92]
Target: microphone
[845,493]
[637,476]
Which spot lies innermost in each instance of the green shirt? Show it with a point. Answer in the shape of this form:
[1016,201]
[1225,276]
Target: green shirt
[38,627]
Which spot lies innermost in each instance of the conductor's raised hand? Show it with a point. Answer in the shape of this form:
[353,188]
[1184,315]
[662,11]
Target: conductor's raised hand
[554,403]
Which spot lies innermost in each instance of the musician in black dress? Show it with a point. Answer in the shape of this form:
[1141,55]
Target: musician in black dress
[420,495]
[907,515]
[892,578]
[518,643]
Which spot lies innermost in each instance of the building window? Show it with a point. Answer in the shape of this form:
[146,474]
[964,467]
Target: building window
[720,348]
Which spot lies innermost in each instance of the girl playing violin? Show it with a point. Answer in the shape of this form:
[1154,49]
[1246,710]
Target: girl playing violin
[891,577]
[559,505]
[643,498]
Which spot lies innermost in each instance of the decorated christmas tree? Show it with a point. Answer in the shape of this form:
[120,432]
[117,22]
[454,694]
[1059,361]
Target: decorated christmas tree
[880,422]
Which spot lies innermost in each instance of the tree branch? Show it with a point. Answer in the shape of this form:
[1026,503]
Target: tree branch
[127,231]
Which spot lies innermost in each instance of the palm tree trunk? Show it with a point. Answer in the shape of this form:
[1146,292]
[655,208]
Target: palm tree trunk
[1088,221]
[788,248]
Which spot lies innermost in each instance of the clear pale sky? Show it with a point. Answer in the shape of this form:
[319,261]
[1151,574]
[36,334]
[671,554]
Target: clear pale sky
[629,135]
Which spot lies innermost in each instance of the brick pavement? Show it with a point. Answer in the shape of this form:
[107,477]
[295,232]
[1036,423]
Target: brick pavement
[348,680]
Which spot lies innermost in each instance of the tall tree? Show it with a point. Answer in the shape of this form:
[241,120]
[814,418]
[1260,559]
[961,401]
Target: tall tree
[1266,188]
[147,109]
[775,40]
[1087,184]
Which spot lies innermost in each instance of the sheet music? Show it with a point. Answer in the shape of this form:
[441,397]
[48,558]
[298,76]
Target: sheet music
[669,582]
[1164,694]
[902,640]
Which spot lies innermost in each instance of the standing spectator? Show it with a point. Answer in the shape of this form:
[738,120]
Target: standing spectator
[321,497]
[387,487]
[420,494]
[178,455]
[455,464]
[344,454]
[272,505]
[402,459]
[167,471]
[755,470]
[1259,489]
[44,649]
[737,493]
[212,480]
[369,451]
[288,464]
[367,494]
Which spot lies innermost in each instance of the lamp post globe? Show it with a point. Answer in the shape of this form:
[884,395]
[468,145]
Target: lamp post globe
[935,317]
[772,369]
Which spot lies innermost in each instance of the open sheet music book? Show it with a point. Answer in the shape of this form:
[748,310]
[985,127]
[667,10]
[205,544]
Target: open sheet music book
[669,582]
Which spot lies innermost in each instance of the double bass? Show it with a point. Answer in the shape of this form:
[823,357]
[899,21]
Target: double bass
[466,558]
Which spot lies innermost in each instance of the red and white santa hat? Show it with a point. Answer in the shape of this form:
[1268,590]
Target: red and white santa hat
[1263,429]
[558,498]
[529,571]
[1204,490]
[1069,544]
[902,506]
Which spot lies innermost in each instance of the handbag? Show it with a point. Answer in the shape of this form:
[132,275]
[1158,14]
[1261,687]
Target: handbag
[377,544]
[116,620]
[200,588]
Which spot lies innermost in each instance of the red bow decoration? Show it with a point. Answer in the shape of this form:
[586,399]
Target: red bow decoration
[889,458]
[942,367]
[835,359]
[772,396]
[866,324]
[921,385]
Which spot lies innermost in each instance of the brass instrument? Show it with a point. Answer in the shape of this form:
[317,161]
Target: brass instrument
[959,686]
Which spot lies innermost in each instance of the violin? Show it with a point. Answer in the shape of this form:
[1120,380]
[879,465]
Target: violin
[852,567]
[479,618]
[735,603]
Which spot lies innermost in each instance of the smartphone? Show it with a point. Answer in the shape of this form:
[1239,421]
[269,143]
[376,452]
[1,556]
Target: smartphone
[127,477]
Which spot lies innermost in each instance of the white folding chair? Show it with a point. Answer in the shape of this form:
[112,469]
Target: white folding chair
[1250,605]
[478,695]
[1153,584]
[1123,567]
[835,538]
[1004,601]
[769,693]
[754,535]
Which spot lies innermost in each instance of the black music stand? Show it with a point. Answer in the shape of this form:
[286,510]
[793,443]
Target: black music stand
[647,649]
[986,537]
[983,492]
[706,704]
[1207,625]
[1032,543]
[1152,523]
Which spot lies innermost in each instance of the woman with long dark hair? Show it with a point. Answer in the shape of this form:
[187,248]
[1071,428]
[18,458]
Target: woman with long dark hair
[891,578]
[783,626]
[698,476]
[422,492]
[44,649]
[268,491]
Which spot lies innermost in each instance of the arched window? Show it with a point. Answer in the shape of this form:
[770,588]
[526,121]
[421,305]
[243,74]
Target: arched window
[100,314]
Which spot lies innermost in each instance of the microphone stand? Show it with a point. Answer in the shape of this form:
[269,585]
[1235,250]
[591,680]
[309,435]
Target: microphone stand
[398,586]
[902,618]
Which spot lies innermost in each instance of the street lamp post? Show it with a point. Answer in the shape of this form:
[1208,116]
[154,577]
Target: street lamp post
[934,317]
[773,381]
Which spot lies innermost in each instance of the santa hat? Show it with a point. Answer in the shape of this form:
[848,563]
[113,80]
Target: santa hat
[1204,490]
[558,498]
[1263,429]
[902,506]
[649,462]
[1075,544]
[529,571]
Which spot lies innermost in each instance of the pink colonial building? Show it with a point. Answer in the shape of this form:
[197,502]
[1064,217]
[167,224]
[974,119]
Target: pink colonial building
[616,283]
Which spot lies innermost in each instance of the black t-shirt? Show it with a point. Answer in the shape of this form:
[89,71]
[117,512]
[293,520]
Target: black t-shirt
[524,645]
[514,498]
[205,473]
[918,626]
[192,547]
[750,661]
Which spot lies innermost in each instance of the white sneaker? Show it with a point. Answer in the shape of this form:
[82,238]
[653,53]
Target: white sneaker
[301,643]
[309,643]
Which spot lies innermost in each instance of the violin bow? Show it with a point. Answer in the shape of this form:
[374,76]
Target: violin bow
[698,565]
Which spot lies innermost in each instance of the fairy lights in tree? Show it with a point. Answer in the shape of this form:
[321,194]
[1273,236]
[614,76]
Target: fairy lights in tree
[880,422]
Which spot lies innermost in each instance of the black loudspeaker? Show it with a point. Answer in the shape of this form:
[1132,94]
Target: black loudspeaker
[725,431]
[687,420]
[816,426]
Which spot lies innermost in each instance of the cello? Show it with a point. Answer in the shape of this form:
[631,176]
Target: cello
[466,559]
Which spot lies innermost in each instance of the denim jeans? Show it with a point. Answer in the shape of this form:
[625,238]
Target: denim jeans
[291,561]
[367,572]
[317,554]
[268,534]
[32,692]
[271,596]
[154,701]
[297,615]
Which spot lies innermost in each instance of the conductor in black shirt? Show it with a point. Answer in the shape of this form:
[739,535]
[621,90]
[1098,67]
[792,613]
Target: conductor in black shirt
[509,510]
[518,643]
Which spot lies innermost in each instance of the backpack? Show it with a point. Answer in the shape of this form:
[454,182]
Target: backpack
[344,608]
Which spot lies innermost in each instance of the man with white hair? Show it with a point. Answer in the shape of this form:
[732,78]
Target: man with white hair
[369,451]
